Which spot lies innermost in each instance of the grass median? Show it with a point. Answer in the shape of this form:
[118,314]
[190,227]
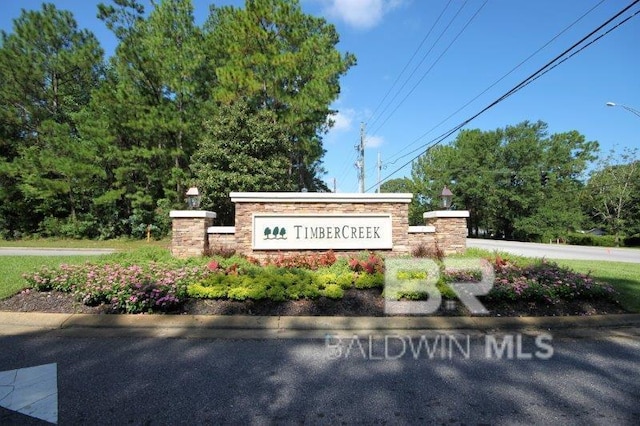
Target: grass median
[623,276]
[13,267]
[118,244]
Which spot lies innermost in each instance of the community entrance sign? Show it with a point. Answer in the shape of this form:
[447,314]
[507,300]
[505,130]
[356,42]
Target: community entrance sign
[322,232]
[289,223]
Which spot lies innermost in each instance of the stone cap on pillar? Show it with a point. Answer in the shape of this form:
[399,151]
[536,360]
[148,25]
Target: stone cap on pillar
[192,214]
[319,197]
[446,214]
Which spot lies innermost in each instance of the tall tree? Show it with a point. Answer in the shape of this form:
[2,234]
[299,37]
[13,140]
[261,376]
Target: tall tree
[243,150]
[406,185]
[276,57]
[154,108]
[612,193]
[517,182]
[48,68]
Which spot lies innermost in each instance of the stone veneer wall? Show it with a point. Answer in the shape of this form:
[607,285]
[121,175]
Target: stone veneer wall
[445,230]
[222,240]
[306,203]
[189,232]
[451,229]
[421,238]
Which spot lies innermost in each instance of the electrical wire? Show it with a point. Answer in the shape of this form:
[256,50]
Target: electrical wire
[424,39]
[541,71]
[417,66]
[397,158]
[424,57]
[424,75]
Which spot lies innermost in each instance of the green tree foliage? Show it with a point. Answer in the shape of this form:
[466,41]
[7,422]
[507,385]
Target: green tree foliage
[277,58]
[102,150]
[48,69]
[612,194]
[151,111]
[243,150]
[517,182]
[406,185]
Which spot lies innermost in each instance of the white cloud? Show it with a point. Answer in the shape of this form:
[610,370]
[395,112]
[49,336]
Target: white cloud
[342,120]
[361,14]
[373,141]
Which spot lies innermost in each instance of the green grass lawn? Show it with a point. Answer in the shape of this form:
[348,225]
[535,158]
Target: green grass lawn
[119,244]
[12,268]
[624,277]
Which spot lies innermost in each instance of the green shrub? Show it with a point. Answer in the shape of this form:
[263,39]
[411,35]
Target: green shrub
[247,290]
[332,291]
[632,241]
[412,275]
[580,239]
[276,293]
[324,279]
[239,263]
[340,266]
[345,280]
[200,291]
[445,290]
[364,280]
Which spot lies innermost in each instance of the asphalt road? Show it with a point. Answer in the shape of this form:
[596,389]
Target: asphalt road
[558,251]
[213,381]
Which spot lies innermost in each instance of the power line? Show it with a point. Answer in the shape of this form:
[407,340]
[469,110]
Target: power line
[394,159]
[424,57]
[540,72]
[432,65]
[409,61]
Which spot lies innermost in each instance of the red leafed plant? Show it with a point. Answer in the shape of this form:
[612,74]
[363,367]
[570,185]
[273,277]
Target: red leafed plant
[371,265]
[307,261]
[214,265]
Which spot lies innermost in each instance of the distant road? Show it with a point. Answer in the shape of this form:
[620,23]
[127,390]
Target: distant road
[558,251]
[28,251]
[549,251]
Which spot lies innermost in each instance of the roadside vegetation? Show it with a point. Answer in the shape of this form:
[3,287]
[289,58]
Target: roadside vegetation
[81,160]
[122,244]
[624,277]
[150,280]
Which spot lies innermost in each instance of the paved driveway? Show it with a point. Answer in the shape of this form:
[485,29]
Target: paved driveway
[558,251]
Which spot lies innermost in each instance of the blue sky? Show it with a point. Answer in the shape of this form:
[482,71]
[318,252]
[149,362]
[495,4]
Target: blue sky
[473,45]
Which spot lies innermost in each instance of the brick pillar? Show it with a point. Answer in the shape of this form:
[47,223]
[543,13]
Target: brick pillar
[189,232]
[451,229]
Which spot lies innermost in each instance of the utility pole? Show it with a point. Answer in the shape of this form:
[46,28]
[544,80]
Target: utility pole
[360,161]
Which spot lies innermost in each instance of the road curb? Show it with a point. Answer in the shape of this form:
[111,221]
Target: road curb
[265,327]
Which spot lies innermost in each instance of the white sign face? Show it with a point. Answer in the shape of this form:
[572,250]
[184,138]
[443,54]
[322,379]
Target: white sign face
[324,232]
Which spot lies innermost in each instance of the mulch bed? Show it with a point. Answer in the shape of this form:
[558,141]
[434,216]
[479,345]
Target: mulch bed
[354,303]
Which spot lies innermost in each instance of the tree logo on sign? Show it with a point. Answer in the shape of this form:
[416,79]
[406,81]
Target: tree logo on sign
[277,233]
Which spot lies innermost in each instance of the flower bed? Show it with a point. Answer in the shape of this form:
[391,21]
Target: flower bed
[158,286]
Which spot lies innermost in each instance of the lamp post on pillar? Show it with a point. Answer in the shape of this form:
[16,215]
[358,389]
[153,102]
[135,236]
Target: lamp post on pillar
[189,228]
[193,198]
[447,197]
